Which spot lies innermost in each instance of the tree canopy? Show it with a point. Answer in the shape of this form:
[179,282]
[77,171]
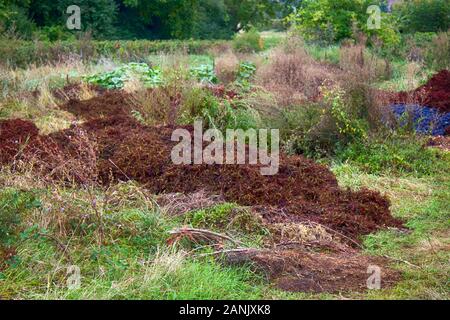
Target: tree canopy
[129,19]
[329,20]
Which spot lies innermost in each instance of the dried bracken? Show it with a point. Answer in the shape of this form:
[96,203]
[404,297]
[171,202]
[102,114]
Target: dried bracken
[126,150]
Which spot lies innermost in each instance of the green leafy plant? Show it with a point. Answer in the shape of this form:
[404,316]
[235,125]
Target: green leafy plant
[204,73]
[116,79]
[348,126]
[246,71]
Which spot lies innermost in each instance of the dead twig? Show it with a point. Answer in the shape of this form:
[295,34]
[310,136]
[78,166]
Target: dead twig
[337,233]
[128,178]
[401,260]
[192,232]
[237,250]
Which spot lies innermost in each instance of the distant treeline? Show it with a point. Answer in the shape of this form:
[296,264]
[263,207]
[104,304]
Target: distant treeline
[139,19]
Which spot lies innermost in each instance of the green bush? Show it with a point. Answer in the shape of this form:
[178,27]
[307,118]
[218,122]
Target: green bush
[248,42]
[216,113]
[395,154]
[226,217]
[318,129]
[328,21]
[423,15]
[295,124]
[20,53]
[54,33]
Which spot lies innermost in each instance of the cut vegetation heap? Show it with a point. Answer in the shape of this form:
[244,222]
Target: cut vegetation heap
[120,148]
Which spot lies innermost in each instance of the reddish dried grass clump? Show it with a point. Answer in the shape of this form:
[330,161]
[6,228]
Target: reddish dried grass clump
[13,134]
[293,76]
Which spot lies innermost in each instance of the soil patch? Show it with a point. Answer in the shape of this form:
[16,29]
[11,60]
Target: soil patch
[302,270]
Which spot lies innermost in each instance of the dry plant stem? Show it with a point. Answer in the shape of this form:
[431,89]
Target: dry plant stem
[98,214]
[206,233]
[337,233]
[119,169]
[237,250]
[404,261]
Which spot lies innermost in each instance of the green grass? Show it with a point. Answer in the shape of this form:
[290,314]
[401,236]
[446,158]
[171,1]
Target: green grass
[422,254]
[325,54]
[136,263]
[169,60]
[272,38]
[406,76]
[397,154]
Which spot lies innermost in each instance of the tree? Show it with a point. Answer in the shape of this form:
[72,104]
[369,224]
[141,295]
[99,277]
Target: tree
[97,16]
[245,13]
[14,19]
[330,21]
[128,19]
[423,15]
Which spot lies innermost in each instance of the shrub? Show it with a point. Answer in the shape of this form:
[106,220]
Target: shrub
[438,53]
[423,15]
[319,129]
[348,125]
[361,69]
[292,75]
[226,67]
[248,42]
[327,21]
[199,103]
[395,153]
[296,123]
[226,217]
